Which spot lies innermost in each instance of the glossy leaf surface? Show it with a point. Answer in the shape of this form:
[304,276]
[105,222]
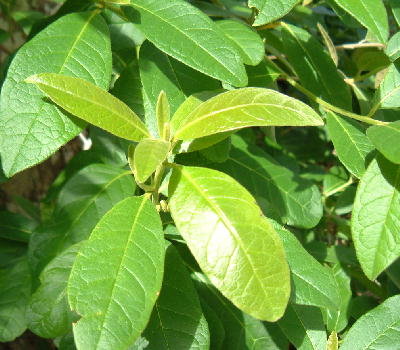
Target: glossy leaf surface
[270,11]
[125,249]
[233,243]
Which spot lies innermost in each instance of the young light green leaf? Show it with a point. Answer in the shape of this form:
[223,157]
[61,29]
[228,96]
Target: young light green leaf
[246,107]
[125,249]
[177,321]
[371,14]
[351,144]
[149,154]
[386,139]
[163,116]
[376,330]
[315,68]
[375,218]
[291,200]
[160,72]
[15,291]
[247,42]
[49,314]
[333,342]
[193,39]
[304,327]
[313,283]
[15,226]
[31,129]
[270,11]
[92,104]
[232,242]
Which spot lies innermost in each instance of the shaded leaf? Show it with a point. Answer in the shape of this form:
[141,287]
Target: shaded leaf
[386,140]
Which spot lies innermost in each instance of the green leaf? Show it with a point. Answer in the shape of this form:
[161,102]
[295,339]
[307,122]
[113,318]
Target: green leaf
[314,284]
[393,47]
[270,11]
[85,198]
[160,72]
[388,94]
[304,327]
[163,113]
[314,66]
[395,7]
[92,104]
[177,321]
[31,129]
[247,42]
[246,107]
[386,140]
[376,330]
[239,250]
[333,342]
[351,144]
[334,180]
[371,14]
[291,199]
[148,155]
[263,75]
[125,249]
[15,291]
[375,218]
[15,226]
[49,313]
[193,39]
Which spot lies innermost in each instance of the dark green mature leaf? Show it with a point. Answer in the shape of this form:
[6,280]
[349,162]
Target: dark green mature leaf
[160,72]
[263,75]
[30,128]
[15,290]
[304,327]
[386,139]
[92,104]
[15,226]
[177,321]
[375,219]
[314,284]
[86,197]
[270,11]
[370,13]
[395,7]
[241,108]
[49,313]
[290,199]
[191,38]
[232,242]
[248,43]
[379,329]
[314,66]
[125,249]
[351,144]
[148,155]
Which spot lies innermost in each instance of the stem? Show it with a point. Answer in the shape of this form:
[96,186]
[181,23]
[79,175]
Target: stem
[157,182]
[329,107]
[358,45]
[340,188]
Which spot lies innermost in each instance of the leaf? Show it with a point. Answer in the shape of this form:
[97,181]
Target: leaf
[160,72]
[85,198]
[92,104]
[387,96]
[191,38]
[15,226]
[314,66]
[126,248]
[386,140]
[177,321]
[351,144]
[247,42]
[314,284]
[149,154]
[263,75]
[233,243]
[291,199]
[245,107]
[376,330]
[371,14]
[394,4]
[333,342]
[15,290]
[49,313]
[304,327]
[393,47]
[31,129]
[375,218]
[270,11]
[163,115]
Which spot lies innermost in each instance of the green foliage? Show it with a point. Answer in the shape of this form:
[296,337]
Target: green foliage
[239,183]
